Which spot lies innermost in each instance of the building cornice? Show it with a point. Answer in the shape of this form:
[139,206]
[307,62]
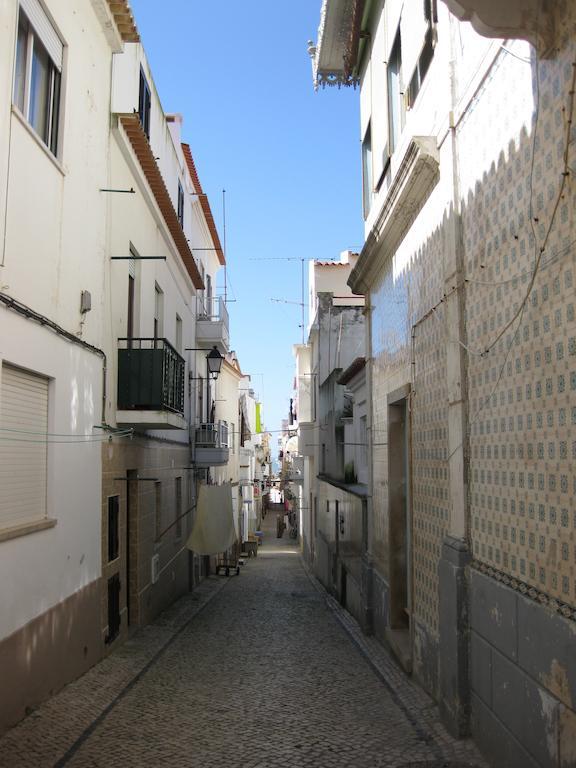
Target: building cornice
[417,175]
[531,20]
[141,147]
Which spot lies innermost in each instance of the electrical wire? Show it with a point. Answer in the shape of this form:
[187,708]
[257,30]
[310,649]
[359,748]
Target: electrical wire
[519,314]
[114,433]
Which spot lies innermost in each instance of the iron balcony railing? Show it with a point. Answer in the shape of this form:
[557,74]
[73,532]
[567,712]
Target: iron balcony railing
[213,308]
[212,435]
[150,376]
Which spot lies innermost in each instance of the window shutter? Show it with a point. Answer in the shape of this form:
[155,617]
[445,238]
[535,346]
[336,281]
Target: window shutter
[413,26]
[44,29]
[23,446]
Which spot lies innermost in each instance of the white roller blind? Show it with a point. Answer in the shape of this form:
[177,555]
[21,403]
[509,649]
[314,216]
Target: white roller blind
[23,447]
[44,29]
[413,26]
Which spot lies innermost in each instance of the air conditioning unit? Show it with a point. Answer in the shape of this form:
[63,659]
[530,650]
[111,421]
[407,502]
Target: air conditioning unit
[155,568]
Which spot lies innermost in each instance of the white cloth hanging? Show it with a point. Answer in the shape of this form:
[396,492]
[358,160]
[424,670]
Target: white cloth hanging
[214,529]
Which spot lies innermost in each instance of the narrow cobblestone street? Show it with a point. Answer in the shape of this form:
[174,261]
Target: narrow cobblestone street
[258,670]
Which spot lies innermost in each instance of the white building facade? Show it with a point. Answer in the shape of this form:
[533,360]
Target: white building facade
[108,310]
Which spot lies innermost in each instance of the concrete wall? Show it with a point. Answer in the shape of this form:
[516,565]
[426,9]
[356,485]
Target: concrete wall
[523,677]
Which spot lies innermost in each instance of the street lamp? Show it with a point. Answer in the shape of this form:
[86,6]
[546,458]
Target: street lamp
[213,365]
[214,362]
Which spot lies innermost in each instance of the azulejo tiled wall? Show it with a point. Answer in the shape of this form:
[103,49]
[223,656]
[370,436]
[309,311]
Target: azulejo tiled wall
[522,389]
[430,503]
[410,283]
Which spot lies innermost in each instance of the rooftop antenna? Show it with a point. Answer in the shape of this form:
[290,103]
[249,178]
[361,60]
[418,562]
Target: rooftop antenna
[224,235]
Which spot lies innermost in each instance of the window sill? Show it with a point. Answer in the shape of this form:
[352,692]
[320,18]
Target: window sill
[26,528]
[58,165]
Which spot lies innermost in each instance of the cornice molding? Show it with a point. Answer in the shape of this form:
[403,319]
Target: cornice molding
[531,20]
[417,175]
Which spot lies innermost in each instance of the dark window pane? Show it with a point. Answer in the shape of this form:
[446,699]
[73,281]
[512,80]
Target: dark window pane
[55,120]
[144,105]
[40,90]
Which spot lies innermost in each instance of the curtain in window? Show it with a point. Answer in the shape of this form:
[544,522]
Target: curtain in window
[40,91]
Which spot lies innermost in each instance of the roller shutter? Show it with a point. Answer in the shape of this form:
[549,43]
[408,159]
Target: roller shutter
[23,446]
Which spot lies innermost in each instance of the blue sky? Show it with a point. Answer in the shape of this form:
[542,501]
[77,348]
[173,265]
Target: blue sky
[289,159]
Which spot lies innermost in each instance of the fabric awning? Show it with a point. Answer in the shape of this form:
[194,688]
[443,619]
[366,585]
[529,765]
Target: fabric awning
[214,531]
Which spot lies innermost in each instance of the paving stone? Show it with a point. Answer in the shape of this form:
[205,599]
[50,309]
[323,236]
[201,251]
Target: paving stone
[261,670]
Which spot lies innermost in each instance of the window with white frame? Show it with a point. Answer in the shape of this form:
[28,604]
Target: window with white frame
[23,446]
[418,31]
[395,98]
[38,72]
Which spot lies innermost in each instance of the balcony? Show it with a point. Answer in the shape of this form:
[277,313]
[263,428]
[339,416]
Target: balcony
[150,385]
[212,324]
[523,19]
[211,445]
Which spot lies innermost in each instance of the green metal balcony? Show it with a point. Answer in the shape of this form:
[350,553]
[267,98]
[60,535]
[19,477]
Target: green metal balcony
[150,384]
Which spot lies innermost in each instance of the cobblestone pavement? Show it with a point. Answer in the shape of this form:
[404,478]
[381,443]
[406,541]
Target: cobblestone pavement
[256,671]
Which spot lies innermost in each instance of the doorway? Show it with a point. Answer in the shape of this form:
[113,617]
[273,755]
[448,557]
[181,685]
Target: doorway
[130,543]
[399,523]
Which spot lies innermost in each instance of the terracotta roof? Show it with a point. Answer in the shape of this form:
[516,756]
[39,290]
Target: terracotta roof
[124,19]
[142,150]
[354,368]
[204,203]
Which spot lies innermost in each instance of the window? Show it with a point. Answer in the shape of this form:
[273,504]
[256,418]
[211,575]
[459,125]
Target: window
[158,312]
[113,527]
[130,319]
[367,171]
[181,205]
[178,334]
[23,463]
[158,508]
[395,100]
[200,414]
[38,68]
[209,307]
[426,54]
[178,506]
[144,101]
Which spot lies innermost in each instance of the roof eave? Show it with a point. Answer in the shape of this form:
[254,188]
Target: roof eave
[124,20]
[204,204]
[141,147]
[335,57]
